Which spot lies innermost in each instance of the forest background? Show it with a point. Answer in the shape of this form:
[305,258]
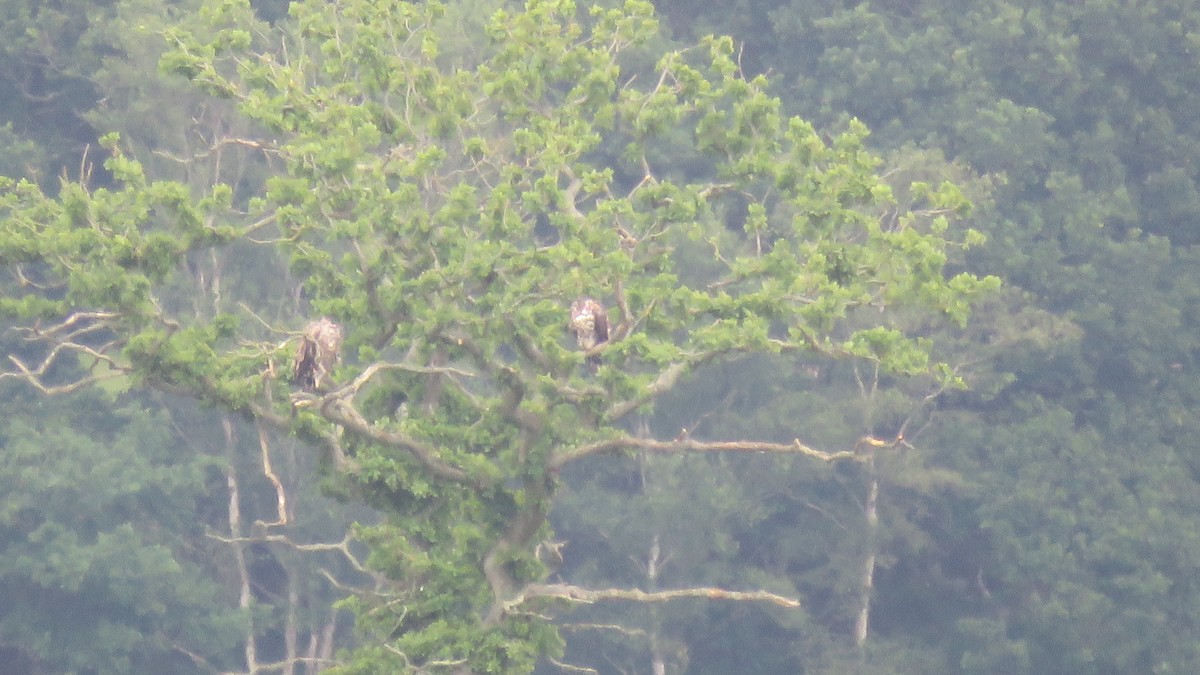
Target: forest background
[1014,494]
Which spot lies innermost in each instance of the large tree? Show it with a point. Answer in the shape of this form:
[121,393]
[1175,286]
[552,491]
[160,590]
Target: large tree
[443,188]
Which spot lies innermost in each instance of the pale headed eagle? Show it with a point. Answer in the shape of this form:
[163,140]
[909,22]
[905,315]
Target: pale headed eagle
[320,346]
[590,323]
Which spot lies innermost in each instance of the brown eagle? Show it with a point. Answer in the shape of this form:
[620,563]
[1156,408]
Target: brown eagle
[589,321]
[320,346]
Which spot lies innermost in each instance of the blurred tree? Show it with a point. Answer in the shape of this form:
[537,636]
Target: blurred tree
[97,65]
[1083,115]
[828,532]
[102,565]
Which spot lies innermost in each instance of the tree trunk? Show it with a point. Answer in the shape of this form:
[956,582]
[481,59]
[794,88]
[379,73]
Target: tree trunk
[235,532]
[290,631]
[866,585]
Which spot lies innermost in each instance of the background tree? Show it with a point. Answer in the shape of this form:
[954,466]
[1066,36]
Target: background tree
[1083,113]
[102,566]
[74,68]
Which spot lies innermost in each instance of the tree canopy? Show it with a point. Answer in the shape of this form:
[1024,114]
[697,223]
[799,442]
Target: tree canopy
[443,186]
[815,439]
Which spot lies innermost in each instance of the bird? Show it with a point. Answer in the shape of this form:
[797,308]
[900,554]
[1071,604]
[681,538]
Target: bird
[318,351]
[589,321]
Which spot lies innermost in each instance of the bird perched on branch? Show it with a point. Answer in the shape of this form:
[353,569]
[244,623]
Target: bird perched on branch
[319,349]
[589,321]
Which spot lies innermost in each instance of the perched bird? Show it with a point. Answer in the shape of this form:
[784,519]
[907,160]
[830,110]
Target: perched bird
[589,321]
[319,349]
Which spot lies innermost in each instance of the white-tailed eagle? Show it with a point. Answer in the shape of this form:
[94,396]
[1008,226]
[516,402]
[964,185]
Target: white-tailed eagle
[320,346]
[589,321]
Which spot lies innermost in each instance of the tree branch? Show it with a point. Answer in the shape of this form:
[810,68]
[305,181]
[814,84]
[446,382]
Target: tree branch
[577,594]
[341,412]
[61,337]
[342,547]
[691,445]
[665,382]
[280,493]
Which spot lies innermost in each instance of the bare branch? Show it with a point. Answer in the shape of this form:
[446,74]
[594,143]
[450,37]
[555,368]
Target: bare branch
[280,493]
[71,321]
[33,378]
[62,336]
[342,547]
[215,149]
[282,665]
[682,445]
[375,368]
[569,668]
[628,632]
[666,380]
[577,594]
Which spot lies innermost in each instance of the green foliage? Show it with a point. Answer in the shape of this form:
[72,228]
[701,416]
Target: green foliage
[98,557]
[1081,116]
[444,197]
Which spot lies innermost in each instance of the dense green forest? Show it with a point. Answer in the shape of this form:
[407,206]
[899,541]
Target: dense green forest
[897,375]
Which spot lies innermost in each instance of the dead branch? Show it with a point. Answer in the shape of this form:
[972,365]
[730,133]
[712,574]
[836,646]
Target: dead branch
[626,631]
[196,658]
[215,149]
[71,321]
[264,323]
[25,282]
[280,493]
[567,667]
[33,378]
[281,665]
[62,337]
[342,547]
[329,440]
[58,348]
[580,595]
[685,444]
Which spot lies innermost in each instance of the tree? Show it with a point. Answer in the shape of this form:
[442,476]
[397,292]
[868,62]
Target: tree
[71,68]
[103,566]
[1083,110]
[446,202]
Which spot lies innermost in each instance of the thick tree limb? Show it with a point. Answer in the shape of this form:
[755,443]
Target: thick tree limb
[521,531]
[344,414]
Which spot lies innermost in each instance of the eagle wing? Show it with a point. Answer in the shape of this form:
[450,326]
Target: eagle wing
[304,364]
[318,352]
[601,327]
